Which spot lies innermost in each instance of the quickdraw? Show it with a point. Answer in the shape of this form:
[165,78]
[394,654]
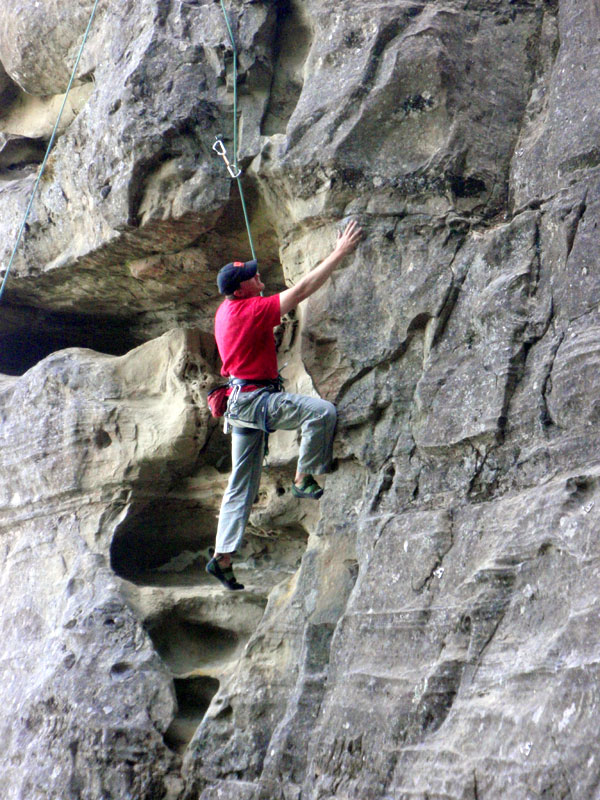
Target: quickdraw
[232,168]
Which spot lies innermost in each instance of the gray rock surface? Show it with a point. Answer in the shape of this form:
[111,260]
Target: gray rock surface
[428,630]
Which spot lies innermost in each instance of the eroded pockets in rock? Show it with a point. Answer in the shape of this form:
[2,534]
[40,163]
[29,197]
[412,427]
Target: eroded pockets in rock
[197,654]
[19,156]
[183,643]
[194,696]
[198,629]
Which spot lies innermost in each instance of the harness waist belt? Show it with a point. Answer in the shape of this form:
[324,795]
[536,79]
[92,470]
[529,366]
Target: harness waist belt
[274,383]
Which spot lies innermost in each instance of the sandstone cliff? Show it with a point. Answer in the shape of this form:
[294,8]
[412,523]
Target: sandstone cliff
[428,630]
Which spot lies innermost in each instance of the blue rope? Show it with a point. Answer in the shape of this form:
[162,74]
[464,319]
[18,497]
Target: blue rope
[235,127]
[50,144]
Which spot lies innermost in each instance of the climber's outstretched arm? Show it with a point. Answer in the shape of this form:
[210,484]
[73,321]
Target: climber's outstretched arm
[346,243]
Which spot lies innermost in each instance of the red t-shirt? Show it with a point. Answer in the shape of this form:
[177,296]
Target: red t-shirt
[244,334]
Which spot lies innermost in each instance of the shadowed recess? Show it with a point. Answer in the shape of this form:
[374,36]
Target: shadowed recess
[193,699]
[19,156]
[294,39]
[29,335]
[183,644]
[158,533]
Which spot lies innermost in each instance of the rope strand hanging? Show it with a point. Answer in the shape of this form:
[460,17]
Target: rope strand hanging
[219,147]
[48,149]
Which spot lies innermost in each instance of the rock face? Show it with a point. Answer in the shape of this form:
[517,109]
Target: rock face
[428,630]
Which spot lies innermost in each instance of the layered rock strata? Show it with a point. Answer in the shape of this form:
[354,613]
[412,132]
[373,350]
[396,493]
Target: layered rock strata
[428,629]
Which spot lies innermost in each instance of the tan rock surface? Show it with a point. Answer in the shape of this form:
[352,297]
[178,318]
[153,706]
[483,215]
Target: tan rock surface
[428,629]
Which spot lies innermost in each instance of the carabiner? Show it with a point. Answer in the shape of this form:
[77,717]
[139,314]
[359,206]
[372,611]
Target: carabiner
[232,169]
[219,147]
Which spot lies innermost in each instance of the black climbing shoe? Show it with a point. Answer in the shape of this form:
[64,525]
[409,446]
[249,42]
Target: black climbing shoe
[308,488]
[225,575]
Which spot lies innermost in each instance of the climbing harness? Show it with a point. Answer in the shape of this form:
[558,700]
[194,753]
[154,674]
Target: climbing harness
[49,148]
[258,416]
[232,168]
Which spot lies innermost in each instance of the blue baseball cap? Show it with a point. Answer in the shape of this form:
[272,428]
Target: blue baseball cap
[231,275]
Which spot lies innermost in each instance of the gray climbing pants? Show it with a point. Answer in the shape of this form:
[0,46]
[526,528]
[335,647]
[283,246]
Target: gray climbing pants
[316,420]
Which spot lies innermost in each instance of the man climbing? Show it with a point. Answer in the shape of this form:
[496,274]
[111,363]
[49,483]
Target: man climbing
[257,405]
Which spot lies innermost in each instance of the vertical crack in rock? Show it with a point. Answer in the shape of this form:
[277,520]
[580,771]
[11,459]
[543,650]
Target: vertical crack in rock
[384,487]
[539,67]
[573,221]
[385,36]
[446,543]
[495,583]
[531,332]
[533,329]
[546,387]
[384,520]
[475,786]
[293,40]
[289,744]
[484,479]
[449,301]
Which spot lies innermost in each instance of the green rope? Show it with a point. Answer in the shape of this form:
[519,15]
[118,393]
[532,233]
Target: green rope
[235,146]
[235,127]
[239,180]
[50,144]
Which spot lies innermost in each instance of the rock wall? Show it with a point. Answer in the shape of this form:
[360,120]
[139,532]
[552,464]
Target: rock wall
[428,629]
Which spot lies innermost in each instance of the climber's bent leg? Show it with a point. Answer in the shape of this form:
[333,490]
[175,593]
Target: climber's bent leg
[316,420]
[247,452]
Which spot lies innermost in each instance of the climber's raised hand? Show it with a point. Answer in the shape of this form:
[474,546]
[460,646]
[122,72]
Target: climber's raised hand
[349,238]
[347,242]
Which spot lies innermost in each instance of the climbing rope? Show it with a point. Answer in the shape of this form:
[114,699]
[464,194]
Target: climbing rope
[234,171]
[49,148]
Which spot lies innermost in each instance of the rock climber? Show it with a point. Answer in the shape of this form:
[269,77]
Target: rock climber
[257,404]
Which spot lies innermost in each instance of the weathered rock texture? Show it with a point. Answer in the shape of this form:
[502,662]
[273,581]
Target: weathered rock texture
[429,630]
